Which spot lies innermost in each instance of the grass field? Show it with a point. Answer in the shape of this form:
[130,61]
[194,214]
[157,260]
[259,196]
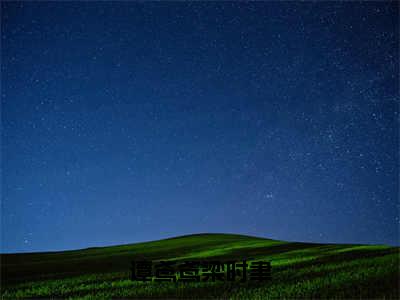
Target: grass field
[299,270]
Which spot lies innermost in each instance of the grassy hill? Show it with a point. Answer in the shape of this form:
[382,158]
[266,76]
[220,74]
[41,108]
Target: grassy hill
[299,270]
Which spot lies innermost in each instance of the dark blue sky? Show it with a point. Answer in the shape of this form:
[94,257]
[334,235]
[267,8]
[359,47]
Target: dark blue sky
[125,121]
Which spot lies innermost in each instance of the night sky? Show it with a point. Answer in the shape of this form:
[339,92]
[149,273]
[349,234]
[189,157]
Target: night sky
[125,122]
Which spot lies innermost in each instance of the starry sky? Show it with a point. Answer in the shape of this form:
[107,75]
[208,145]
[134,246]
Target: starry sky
[129,121]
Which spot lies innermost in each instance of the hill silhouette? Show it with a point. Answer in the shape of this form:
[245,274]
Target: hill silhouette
[298,269]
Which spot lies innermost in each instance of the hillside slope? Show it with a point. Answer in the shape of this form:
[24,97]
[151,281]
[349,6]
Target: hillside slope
[298,270]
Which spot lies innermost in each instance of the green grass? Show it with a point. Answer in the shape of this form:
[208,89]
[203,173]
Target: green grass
[299,270]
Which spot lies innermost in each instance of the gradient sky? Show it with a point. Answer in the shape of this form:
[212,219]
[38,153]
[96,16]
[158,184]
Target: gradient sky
[125,122]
